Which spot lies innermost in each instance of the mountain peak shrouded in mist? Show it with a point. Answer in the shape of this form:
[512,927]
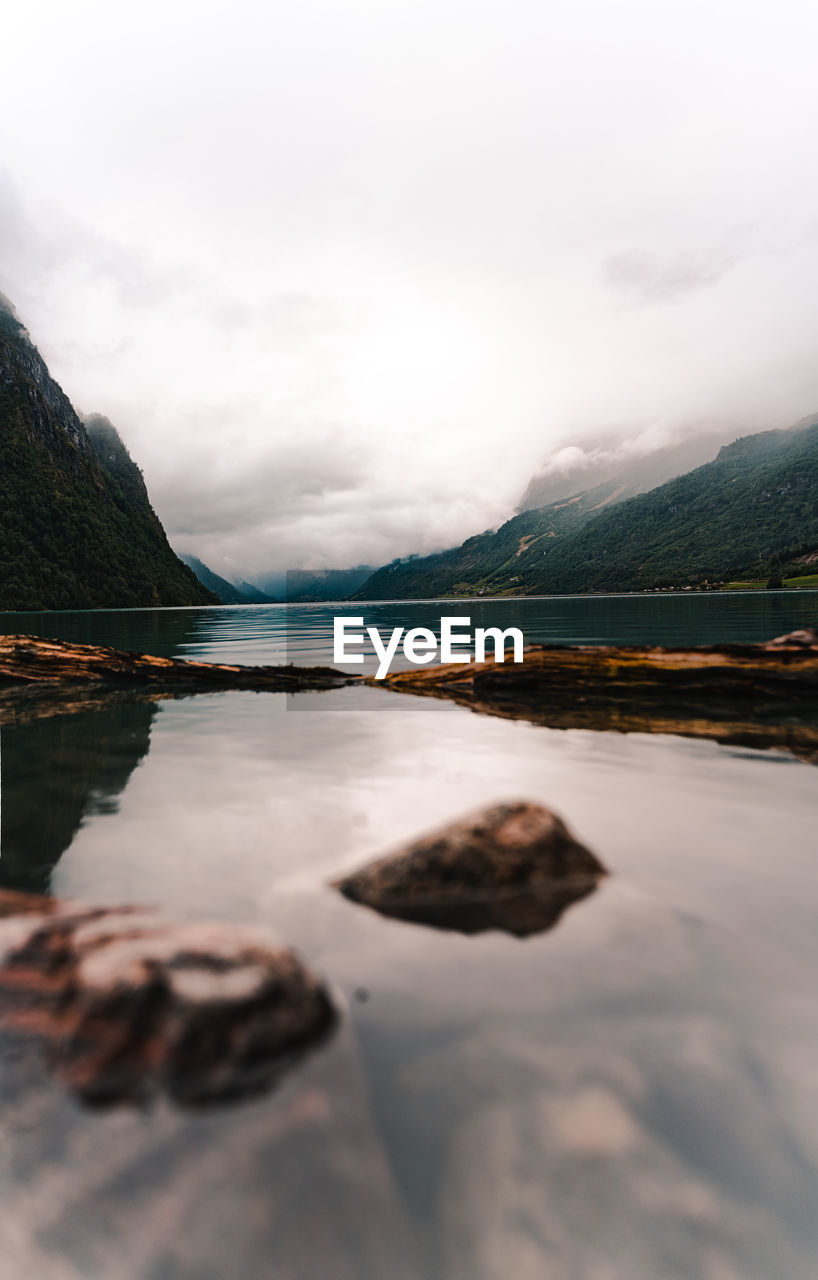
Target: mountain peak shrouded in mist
[751,510]
[77,528]
[9,311]
[469,238]
[633,464]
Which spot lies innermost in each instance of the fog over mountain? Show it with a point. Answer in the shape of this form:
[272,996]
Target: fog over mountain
[635,463]
[347,276]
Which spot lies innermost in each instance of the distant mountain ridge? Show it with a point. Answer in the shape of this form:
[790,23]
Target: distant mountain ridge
[77,529]
[309,586]
[228,592]
[750,510]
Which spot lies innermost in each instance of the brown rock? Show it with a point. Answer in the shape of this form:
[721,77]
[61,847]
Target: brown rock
[32,661]
[806,638]
[514,867]
[131,1006]
[760,696]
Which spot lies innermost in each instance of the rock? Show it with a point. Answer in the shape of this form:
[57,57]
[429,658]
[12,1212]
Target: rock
[806,638]
[751,695]
[514,867]
[29,661]
[130,1006]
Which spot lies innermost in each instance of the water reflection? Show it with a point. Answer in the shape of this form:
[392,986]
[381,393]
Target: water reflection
[303,633]
[633,1093]
[55,773]
[633,1089]
[520,914]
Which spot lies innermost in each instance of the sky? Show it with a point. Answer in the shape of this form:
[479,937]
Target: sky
[344,274]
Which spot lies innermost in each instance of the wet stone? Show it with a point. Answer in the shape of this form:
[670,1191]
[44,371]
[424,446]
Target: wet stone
[514,867]
[129,1006]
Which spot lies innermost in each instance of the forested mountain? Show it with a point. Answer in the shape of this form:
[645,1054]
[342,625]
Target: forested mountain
[494,556]
[744,514]
[77,530]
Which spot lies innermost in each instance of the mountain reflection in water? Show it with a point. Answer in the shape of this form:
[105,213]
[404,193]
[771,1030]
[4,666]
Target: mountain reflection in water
[631,1093]
[58,771]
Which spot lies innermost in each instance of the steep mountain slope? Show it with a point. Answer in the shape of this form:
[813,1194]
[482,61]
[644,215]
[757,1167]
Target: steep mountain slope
[251,594]
[227,592]
[77,529]
[494,557]
[751,509]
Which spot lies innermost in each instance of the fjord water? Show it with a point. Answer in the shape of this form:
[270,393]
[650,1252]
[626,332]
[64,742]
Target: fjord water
[632,1093]
[303,633]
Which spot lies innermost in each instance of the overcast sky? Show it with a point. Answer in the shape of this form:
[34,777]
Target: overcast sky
[344,273]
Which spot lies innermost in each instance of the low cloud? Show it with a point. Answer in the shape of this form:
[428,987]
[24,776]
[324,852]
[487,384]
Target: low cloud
[303,507]
[336,319]
[649,277]
[636,459]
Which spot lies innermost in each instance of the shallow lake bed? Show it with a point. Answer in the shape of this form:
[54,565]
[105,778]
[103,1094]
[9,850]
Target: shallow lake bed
[631,1092]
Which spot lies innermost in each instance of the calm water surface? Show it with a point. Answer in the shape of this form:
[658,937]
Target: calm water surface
[303,633]
[631,1094]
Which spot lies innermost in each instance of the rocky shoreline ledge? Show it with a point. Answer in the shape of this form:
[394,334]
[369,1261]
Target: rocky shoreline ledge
[42,678]
[29,660]
[757,695]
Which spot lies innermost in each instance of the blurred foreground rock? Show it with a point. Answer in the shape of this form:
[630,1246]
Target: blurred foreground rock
[514,867]
[129,1005]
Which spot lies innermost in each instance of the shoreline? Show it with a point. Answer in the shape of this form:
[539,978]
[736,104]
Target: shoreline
[759,695]
[647,593]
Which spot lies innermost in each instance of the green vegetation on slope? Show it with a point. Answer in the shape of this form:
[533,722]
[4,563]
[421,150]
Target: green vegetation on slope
[489,563]
[77,530]
[743,514]
[751,512]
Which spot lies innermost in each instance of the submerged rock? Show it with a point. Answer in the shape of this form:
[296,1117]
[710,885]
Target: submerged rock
[131,1006]
[514,867]
[805,638]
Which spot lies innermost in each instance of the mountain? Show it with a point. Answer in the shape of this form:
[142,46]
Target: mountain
[628,472]
[312,585]
[752,509]
[227,592]
[489,562]
[253,595]
[77,530]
